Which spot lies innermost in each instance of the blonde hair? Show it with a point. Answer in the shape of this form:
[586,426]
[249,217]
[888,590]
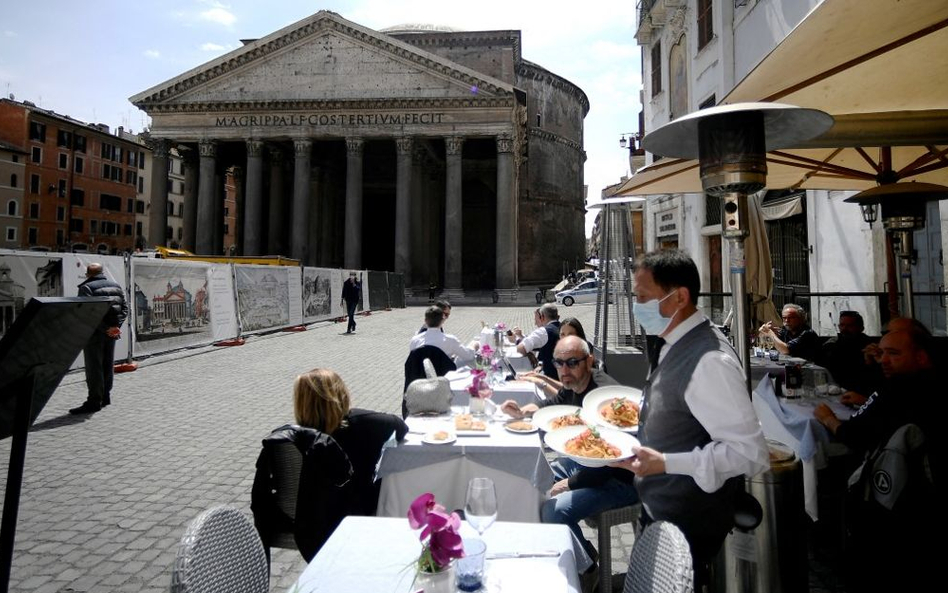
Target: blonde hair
[320,400]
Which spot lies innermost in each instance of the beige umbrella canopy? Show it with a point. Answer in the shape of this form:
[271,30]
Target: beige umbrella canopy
[759,278]
[879,68]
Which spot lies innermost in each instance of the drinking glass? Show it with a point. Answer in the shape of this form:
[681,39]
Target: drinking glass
[480,507]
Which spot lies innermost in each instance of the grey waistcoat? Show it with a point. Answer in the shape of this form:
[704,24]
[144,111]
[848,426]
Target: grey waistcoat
[667,425]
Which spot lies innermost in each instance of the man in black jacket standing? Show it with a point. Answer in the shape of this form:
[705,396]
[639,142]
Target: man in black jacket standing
[99,352]
[351,291]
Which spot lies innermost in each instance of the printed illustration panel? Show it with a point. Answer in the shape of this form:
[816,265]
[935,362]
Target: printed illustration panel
[377,290]
[263,299]
[172,305]
[318,293]
[113,266]
[295,279]
[24,276]
[224,324]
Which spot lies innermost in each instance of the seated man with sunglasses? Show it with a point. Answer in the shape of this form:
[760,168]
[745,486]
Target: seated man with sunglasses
[580,492]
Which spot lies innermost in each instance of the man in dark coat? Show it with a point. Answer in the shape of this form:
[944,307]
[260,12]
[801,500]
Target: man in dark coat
[99,352]
[351,291]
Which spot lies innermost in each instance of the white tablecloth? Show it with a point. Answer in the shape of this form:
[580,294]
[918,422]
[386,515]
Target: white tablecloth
[377,555]
[792,423]
[515,462]
[523,392]
[763,366]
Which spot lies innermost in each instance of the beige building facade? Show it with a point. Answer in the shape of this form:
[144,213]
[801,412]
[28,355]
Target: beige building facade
[442,155]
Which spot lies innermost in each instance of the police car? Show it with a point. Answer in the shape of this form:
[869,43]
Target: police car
[584,292]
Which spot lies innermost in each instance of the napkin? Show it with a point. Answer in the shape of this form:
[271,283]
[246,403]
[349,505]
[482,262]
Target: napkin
[798,425]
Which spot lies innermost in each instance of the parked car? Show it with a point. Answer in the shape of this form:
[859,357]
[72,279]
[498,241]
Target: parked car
[584,292]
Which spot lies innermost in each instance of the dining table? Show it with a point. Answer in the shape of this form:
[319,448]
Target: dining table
[522,392]
[791,421]
[378,555]
[814,376]
[418,464]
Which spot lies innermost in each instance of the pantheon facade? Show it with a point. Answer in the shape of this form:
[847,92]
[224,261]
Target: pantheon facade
[439,154]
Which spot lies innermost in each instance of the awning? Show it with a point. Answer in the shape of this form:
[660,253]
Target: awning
[782,208]
[879,68]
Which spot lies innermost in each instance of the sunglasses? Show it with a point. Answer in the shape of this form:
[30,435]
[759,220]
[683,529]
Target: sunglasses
[571,362]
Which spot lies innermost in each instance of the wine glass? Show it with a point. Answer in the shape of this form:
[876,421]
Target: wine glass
[480,507]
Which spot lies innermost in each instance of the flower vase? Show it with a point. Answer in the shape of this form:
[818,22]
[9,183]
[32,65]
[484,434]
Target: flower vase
[436,582]
[477,405]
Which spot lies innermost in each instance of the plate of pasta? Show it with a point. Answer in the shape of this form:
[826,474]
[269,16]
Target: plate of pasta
[614,407]
[555,417]
[592,446]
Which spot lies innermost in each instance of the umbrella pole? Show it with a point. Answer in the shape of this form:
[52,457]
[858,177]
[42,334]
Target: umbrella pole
[738,268]
[904,248]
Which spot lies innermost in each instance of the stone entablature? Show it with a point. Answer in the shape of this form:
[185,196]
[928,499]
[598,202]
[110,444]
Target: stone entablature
[536,72]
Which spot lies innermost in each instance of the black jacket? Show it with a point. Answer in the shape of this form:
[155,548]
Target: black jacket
[321,501]
[99,286]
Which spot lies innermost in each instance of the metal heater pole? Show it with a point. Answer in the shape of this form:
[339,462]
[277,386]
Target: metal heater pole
[906,247]
[739,301]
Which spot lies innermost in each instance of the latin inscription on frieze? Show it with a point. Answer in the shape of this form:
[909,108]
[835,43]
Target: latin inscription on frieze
[328,119]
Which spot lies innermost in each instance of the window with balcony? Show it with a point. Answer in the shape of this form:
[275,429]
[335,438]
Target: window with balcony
[79,143]
[64,138]
[37,131]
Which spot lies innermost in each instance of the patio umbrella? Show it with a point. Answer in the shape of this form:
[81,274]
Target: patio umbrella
[760,276]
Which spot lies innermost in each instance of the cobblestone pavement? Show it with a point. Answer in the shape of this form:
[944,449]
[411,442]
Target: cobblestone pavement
[107,497]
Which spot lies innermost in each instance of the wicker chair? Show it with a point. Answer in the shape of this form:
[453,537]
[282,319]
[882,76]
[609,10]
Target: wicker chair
[220,552]
[660,562]
[603,523]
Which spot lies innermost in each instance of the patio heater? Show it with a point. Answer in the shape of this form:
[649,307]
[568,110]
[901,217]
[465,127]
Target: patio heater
[902,208]
[730,143]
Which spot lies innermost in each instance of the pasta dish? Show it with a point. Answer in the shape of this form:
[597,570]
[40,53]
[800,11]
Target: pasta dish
[567,420]
[621,412]
[590,444]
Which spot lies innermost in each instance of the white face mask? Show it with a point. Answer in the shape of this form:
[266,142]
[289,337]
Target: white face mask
[649,315]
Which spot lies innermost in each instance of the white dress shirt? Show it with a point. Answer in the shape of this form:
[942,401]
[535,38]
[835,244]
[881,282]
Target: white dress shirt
[536,340]
[718,399]
[451,346]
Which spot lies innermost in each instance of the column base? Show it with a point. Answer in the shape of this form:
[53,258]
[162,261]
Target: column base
[452,293]
[507,295]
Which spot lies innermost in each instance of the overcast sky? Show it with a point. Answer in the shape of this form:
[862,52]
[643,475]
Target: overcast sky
[84,59]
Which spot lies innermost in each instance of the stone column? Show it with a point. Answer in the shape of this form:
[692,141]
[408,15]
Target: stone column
[158,214]
[204,233]
[452,217]
[253,211]
[506,216]
[220,193]
[189,223]
[403,198]
[276,229]
[299,237]
[240,206]
[353,255]
[420,231]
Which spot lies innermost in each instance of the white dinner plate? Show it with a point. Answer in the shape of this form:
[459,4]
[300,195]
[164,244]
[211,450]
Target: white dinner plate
[598,398]
[556,440]
[429,439]
[544,416]
[531,430]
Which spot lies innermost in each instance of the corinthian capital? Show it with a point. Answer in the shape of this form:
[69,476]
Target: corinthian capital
[404,144]
[504,143]
[302,147]
[453,144]
[208,148]
[354,146]
[254,148]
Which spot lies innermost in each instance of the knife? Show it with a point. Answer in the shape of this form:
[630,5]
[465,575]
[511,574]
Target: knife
[504,555]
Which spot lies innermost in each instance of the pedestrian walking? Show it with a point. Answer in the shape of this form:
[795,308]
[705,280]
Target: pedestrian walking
[99,352]
[351,294]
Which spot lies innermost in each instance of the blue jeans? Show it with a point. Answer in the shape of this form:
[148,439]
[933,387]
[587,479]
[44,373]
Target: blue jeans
[573,506]
[351,311]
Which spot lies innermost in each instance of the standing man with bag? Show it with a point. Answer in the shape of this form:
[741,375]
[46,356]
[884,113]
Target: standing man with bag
[351,291]
[99,352]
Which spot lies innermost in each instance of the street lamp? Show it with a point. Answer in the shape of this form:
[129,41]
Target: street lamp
[633,138]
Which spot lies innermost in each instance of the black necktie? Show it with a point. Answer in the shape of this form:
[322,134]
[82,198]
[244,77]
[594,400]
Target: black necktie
[654,349]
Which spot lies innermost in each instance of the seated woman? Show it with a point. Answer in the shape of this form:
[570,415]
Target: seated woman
[321,400]
[569,326]
[339,448]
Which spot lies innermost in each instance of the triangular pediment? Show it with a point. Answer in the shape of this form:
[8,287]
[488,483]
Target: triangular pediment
[323,58]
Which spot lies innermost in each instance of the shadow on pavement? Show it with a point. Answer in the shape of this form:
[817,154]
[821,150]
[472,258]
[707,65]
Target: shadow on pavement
[59,421]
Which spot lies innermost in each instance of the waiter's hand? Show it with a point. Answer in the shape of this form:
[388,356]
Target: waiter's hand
[560,487]
[114,333]
[647,462]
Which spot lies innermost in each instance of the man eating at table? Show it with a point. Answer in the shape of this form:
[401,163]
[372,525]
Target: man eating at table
[579,492]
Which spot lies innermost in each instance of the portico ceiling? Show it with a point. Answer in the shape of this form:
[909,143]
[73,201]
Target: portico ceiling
[880,68]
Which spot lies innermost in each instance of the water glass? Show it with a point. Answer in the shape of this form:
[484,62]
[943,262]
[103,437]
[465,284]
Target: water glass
[480,508]
[470,569]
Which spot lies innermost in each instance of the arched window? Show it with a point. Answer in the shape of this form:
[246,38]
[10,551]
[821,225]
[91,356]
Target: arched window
[11,208]
[13,180]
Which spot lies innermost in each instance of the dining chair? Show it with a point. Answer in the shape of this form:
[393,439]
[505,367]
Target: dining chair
[287,464]
[660,562]
[604,522]
[220,552]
